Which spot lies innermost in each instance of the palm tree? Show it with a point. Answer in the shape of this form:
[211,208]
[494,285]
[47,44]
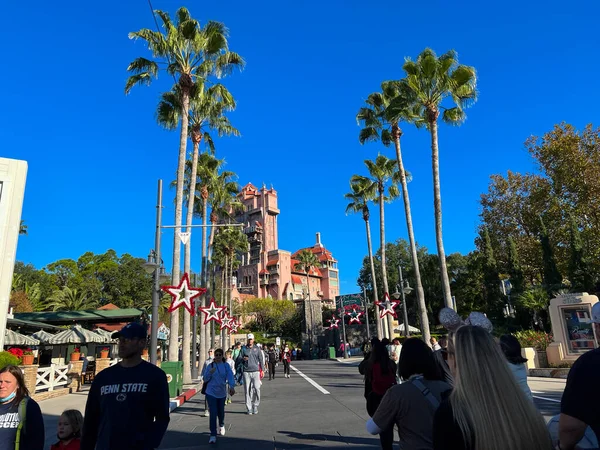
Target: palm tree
[68,299]
[536,300]
[23,228]
[377,125]
[307,261]
[191,54]
[223,202]
[383,178]
[363,192]
[429,81]
[206,113]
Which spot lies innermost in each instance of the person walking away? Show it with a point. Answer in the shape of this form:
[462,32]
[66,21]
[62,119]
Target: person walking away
[516,363]
[69,431]
[411,405]
[272,355]
[441,357]
[381,374]
[218,376]
[20,416]
[236,350]
[286,359]
[580,405]
[229,360]
[208,361]
[434,344]
[486,409]
[128,403]
[252,362]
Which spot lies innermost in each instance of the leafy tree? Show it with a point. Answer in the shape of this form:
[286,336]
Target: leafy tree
[192,55]
[514,268]
[552,277]
[429,81]
[20,302]
[362,192]
[579,274]
[308,261]
[268,315]
[383,176]
[535,300]
[23,228]
[68,299]
[493,297]
[377,125]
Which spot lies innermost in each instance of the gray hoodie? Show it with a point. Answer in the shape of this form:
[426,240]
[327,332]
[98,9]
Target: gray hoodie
[256,358]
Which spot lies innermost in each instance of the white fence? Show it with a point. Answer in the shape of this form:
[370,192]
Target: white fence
[51,377]
[114,361]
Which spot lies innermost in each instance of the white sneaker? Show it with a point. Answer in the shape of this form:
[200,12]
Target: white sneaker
[222,431]
[212,440]
[206,413]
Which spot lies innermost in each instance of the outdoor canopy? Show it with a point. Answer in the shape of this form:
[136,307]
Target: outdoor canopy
[76,335]
[13,338]
[400,329]
[107,335]
[42,336]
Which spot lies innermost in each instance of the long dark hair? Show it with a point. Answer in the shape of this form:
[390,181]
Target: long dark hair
[22,390]
[379,354]
[417,358]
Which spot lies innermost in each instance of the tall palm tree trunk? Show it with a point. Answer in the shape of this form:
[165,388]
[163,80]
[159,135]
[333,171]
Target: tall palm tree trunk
[411,238]
[187,264]
[312,322]
[373,280]
[390,319]
[176,272]
[437,204]
[204,344]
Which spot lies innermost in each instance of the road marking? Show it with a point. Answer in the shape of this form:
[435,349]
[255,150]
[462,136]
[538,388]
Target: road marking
[544,398]
[311,381]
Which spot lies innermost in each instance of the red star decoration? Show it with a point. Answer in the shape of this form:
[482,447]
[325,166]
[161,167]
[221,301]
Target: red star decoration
[334,323]
[212,311]
[235,325]
[183,294]
[227,321]
[387,307]
[354,315]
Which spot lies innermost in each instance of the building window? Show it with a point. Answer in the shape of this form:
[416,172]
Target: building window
[333,274]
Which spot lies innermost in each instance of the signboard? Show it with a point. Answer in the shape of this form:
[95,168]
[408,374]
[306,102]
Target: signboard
[278,341]
[578,324]
[12,189]
[344,301]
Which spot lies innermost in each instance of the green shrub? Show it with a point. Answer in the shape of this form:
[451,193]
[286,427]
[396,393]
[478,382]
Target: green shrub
[539,340]
[7,359]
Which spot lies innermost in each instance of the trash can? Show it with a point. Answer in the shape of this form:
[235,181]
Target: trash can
[174,372]
[332,352]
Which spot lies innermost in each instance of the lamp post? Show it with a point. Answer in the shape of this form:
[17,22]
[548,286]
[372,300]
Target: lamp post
[310,329]
[367,313]
[406,289]
[154,265]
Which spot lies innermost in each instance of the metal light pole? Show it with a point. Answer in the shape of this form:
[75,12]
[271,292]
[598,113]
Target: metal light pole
[156,287]
[367,313]
[194,339]
[343,314]
[404,290]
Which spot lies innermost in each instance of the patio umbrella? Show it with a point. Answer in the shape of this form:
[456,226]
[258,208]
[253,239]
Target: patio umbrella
[400,329]
[13,338]
[75,335]
[107,335]
[42,336]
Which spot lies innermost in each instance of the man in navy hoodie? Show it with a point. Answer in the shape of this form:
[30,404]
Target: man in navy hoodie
[128,403]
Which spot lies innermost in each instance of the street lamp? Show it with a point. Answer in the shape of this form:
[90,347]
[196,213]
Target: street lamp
[406,289]
[306,294]
[151,266]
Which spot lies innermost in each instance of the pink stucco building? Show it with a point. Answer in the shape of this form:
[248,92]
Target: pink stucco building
[266,270]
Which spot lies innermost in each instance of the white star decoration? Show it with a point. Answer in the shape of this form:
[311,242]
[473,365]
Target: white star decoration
[387,307]
[354,315]
[212,311]
[334,323]
[183,294]
[227,321]
[235,325]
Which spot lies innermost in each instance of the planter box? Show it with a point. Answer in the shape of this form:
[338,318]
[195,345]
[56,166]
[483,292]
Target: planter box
[27,360]
[549,373]
[542,358]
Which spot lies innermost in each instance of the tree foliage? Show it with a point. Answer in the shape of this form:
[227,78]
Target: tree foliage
[268,315]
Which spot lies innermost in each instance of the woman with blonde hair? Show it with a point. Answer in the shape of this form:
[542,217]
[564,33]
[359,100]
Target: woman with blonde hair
[486,410]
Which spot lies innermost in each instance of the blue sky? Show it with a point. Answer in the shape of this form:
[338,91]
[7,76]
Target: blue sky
[95,154]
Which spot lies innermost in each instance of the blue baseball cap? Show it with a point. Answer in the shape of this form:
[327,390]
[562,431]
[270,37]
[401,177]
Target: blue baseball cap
[132,330]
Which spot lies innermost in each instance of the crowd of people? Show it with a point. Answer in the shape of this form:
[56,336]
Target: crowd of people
[469,391]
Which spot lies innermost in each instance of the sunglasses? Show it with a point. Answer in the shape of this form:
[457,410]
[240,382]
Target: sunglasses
[218,354]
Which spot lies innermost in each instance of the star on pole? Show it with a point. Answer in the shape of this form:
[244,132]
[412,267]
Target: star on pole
[227,321]
[212,312]
[387,307]
[334,323]
[183,294]
[234,325]
[354,315]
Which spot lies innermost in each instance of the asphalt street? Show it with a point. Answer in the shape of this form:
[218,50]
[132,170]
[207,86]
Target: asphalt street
[327,410]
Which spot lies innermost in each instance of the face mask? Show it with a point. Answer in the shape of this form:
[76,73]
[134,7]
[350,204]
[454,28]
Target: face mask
[9,397]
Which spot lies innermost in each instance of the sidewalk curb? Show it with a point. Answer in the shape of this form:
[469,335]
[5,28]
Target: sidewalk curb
[176,402]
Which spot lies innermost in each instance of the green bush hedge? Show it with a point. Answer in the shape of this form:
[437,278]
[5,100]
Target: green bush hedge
[7,359]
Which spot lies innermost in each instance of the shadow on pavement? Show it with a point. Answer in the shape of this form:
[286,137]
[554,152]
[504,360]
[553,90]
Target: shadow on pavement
[326,440]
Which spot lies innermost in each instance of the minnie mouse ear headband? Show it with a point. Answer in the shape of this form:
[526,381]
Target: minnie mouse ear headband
[452,321]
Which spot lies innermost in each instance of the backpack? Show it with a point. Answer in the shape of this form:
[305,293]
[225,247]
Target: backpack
[22,417]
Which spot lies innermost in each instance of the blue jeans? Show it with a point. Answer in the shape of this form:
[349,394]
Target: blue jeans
[216,406]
